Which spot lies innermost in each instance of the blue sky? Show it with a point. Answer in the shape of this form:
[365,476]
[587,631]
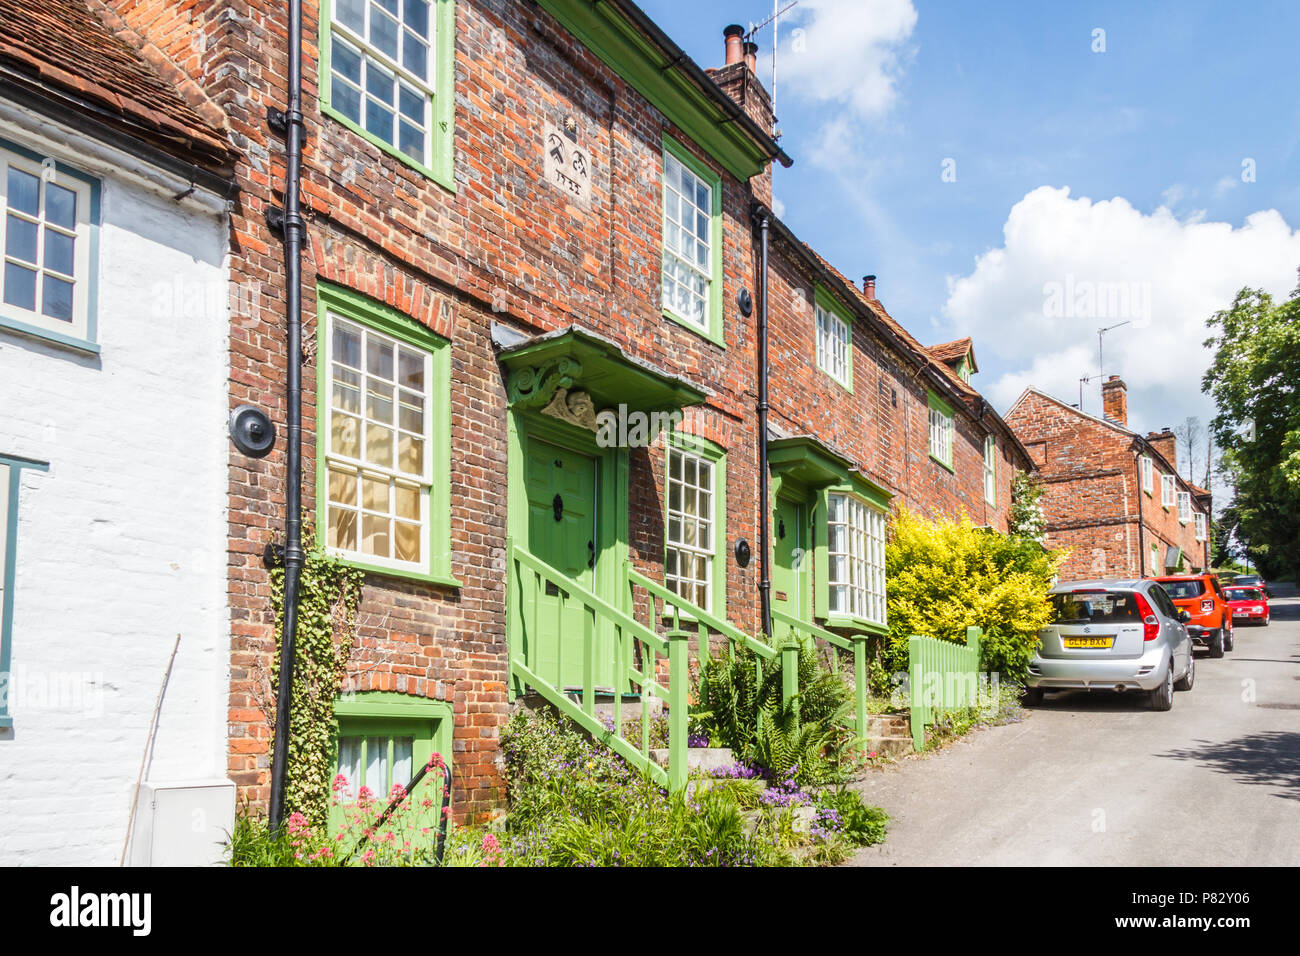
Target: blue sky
[1148,136]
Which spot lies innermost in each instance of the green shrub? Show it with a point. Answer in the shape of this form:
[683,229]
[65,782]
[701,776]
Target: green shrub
[945,576]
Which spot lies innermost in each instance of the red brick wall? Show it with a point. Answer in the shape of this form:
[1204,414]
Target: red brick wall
[1092,493]
[505,246]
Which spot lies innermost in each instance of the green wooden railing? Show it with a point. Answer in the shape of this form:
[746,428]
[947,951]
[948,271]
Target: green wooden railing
[943,676]
[637,650]
[855,644]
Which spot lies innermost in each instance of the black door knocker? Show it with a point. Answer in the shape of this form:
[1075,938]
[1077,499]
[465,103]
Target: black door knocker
[557,506]
[591,554]
[780,529]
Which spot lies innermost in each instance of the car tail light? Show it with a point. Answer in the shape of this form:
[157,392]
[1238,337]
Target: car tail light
[1150,623]
[1207,605]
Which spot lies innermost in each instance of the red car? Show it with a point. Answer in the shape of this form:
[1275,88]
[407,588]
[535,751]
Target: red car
[1248,605]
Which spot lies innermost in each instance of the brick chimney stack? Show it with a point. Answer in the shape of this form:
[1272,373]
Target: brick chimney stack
[1166,443]
[737,79]
[1114,400]
[869,287]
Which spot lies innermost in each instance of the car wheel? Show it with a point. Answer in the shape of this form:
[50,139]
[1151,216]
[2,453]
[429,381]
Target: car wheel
[1162,698]
[1230,638]
[1033,696]
[1216,642]
[1187,680]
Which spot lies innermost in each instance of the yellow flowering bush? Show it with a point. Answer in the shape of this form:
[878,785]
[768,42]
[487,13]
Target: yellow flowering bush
[945,576]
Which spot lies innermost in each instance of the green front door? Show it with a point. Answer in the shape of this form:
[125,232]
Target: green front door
[562,531]
[790,559]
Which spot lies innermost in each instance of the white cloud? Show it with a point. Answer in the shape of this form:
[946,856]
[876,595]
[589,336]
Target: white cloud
[1068,266]
[1224,184]
[845,51]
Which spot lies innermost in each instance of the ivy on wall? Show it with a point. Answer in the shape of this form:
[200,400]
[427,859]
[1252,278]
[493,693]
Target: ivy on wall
[329,594]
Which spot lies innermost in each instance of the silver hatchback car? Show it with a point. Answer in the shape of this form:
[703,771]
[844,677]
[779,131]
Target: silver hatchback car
[1113,635]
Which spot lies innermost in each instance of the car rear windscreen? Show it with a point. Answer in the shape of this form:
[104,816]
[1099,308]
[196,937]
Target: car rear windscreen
[1180,590]
[1094,607]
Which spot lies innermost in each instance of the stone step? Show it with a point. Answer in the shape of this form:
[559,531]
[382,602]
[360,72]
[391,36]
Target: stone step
[892,745]
[888,725]
[698,758]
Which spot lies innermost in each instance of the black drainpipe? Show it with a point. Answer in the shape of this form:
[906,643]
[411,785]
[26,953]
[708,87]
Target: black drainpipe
[1142,545]
[293,556]
[764,563]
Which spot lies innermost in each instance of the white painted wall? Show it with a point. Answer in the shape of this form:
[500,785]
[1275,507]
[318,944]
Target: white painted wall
[122,543]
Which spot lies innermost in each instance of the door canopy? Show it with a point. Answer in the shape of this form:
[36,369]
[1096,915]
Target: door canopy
[574,374]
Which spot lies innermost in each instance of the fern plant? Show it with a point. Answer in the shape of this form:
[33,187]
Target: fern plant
[805,735]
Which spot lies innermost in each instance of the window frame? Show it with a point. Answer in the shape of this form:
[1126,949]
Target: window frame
[713,328]
[11,477]
[1147,467]
[1168,491]
[1202,525]
[359,310]
[441,99]
[429,722]
[1184,499]
[823,303]
[876,503]
[81,334]
[717,457]
[991,470]
[935,404]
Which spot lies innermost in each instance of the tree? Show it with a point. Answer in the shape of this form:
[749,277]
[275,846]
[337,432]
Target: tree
[1026,518]
[1255,383]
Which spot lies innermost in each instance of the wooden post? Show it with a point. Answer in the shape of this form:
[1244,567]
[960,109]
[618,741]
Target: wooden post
[860,683]
[677,709]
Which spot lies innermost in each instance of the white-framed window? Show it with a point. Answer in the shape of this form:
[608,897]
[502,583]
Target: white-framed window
[378,454]
[382,71]
[1148,482]
[688,243]
[690,536]
[941,434]
[1184,506]
[834,346]
[45,237]
[855,554]
[990,470]
[1201,526]
[1167,489]
[375,762]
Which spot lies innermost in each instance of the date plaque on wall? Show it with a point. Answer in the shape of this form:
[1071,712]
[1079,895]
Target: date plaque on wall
[567,165]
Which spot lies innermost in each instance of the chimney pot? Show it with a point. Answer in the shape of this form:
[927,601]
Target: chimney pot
[1114,400]
[734,44]
[869,286]
[751,56]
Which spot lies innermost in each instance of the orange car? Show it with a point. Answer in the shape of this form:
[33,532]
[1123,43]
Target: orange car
[1201,596]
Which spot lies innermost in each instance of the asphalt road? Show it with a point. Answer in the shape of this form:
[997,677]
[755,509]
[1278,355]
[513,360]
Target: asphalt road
[1092,779]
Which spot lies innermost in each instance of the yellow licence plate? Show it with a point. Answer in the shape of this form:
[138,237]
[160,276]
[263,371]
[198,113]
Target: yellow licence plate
[1100,642]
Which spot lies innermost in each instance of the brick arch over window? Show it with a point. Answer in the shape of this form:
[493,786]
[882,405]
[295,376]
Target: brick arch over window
[345,264]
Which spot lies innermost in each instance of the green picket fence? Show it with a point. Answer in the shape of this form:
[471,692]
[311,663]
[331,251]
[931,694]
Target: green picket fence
[942,676]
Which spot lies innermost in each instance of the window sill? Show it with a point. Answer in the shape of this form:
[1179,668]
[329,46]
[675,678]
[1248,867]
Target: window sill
[846,622]
[940,461]
[847,386]
[423,577]
[70,342]
[443,178]
[708,334]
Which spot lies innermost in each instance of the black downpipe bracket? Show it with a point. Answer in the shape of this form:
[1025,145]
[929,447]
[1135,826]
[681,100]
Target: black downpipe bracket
[765,505]
[293,554]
